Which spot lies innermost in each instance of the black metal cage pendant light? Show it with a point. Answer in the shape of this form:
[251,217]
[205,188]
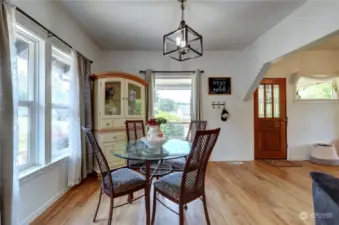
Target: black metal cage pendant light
[183,43]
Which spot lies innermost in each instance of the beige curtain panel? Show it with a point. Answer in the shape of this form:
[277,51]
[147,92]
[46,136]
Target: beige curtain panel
[9,187]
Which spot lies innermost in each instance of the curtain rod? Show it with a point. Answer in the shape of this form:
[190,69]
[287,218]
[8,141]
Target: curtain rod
[170,71]
[50,33]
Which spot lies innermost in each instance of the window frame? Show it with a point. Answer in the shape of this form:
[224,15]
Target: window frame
[33,95]
[176,77]
[66,58]
[309,100]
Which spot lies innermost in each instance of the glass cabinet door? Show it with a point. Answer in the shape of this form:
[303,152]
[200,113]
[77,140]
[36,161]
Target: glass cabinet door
[113,98]
[135,98]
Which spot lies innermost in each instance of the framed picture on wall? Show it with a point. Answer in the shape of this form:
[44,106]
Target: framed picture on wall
[219,86]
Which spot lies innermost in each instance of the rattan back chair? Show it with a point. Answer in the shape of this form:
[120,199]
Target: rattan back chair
[195,125]
[184,187]
[115,184]
[135,129]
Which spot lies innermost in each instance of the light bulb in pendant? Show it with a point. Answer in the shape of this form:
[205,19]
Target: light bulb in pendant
[178,41]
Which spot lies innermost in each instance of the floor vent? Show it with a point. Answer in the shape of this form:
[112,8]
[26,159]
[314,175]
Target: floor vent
[235,163]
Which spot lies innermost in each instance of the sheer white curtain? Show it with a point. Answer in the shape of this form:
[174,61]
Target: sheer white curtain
[9,183]
[196,99]
[74,164]
[294,77]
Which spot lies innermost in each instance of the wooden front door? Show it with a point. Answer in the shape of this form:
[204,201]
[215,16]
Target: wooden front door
[270,119]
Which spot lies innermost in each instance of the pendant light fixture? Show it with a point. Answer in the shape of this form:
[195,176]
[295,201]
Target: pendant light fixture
[183,43]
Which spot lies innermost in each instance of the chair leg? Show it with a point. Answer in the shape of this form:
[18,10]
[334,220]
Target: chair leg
[154,206]
[96,211]
[110,212]
[181,214]
[205,208]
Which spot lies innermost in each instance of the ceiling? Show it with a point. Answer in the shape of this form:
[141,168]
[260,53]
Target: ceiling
[141,24]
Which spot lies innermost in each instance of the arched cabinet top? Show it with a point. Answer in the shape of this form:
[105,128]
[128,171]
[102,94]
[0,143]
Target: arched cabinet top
[128,76]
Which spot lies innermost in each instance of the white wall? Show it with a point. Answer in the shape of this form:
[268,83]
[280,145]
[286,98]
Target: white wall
[235,139]
[309,122]
[40,190]
[312,21]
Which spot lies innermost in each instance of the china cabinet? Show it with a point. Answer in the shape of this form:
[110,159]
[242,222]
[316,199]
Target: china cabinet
[117,97]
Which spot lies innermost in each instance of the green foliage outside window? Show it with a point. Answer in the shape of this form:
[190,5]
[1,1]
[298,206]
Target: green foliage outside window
[169,129]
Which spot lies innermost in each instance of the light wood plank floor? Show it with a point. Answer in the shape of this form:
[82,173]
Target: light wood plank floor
[253,193]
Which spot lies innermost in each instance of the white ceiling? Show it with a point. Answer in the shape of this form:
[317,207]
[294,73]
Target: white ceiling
[141,24]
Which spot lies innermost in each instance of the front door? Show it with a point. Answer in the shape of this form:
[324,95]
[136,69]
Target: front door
[270,119]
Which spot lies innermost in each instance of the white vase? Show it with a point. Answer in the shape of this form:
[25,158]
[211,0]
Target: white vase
[154,133]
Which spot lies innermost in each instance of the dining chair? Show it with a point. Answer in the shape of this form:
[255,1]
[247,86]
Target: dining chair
[184,187]
[135,129]
[114,184]
[195,125]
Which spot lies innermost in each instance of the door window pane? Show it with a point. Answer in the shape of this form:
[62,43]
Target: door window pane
[113,98]
[276,94]
[268,100]
[134,99]
[261,101]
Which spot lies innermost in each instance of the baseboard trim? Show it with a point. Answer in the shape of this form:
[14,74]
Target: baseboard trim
[45,206]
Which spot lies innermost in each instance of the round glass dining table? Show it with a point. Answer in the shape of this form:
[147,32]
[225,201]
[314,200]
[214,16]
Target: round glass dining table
[138,150]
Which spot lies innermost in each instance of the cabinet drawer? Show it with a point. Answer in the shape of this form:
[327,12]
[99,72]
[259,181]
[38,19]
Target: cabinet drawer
[109,137]
[119,145]
[119,123]
[106,123]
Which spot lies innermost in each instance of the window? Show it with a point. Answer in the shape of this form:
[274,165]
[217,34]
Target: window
[43,93]
[26,56]
[173,101]
[60,80]
[313,89]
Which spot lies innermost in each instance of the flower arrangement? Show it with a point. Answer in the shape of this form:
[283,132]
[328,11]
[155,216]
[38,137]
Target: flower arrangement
[156,121]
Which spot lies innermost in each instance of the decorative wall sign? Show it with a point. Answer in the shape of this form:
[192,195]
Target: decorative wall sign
[219,86]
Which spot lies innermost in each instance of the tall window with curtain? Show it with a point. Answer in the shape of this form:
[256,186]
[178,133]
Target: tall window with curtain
[44,70]
[172,100]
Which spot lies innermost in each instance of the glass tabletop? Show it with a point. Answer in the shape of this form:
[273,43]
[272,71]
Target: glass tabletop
[138,150]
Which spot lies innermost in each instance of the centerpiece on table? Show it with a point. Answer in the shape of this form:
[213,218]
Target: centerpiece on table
[155,137]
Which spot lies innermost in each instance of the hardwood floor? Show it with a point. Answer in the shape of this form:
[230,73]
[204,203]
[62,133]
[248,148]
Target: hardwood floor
[254,193]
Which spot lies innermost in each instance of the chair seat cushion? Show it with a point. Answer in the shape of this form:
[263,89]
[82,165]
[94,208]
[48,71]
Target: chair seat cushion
[126,179]
[178,163]
[170,185]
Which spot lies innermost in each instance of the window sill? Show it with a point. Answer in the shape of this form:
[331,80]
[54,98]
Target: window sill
[35,171]
[306,101]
